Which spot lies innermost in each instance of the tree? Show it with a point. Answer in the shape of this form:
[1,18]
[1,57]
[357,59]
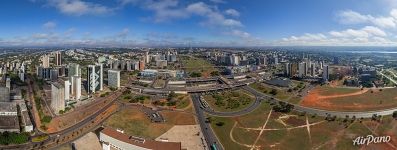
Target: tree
[46,119]
[395,114]
[215,73]
[171,95]
[195,74]
[273,92]
[220,123]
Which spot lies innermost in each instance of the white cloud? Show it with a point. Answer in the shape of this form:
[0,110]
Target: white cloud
[213,17]
[49,25]
[79,7]
[374,31]
[232,12]
[352,17]
[393,13]
[365,36]
[384,22]
[240,34]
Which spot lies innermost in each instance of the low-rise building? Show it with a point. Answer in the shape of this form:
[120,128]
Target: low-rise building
[113,139]
[8,117]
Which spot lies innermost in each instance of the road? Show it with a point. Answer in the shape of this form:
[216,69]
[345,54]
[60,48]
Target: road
[392,80]
[244,111]
[88,122]
[209,135]
[325,113]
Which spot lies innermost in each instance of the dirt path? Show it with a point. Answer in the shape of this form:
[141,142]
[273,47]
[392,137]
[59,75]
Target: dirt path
[274,129]
[234,140]
[263,129]
[308,130]
[343,95]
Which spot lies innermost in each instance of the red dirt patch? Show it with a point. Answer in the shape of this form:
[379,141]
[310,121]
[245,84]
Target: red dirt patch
[295,121]
[316,100]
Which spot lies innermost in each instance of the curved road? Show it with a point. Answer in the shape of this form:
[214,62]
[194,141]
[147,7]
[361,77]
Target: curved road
[244,111]
[325,113]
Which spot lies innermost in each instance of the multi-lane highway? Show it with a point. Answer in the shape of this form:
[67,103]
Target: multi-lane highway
[209,135]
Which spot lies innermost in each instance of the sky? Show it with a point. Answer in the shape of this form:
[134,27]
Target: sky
[210,23]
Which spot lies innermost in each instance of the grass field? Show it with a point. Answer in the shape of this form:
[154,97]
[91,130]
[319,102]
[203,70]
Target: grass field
[183,101]
[135,122]
[348,99]
[230,101]
[290,131]
[193,64]
[281,93]
[378,99]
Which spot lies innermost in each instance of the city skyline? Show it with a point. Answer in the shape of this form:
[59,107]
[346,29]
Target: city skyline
[129,23]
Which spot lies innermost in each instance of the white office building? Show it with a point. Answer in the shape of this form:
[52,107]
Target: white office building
[67,89]
[57,97]
[114,78]
[76,87]
[94,78]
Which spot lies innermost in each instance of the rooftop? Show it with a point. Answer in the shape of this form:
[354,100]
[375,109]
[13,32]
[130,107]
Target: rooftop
[149,144]
[8,107]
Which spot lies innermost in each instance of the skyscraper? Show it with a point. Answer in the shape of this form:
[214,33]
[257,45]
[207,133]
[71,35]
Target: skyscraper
[45,59]
[325,73]
[147,57]
[313,69]
[57,97]
[58,58]
[94,78]
[74,70]
[287,69]
[67,89]
[114,78]
[302,69]
[76,87]
[141,65]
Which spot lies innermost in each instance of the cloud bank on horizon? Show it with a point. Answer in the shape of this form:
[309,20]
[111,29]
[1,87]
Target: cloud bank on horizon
[127,23]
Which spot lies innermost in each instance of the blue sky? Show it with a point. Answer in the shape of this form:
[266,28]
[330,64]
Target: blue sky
[197,22]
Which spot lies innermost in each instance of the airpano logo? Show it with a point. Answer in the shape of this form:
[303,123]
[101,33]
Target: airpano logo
[369,139]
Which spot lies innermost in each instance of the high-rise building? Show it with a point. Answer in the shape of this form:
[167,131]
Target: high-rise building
[302,69]
[95,78]
[54,74]
[45,59]
[74,70]
[147,57]
[76,87]
[313,69]
[67,89]
[57,97]
[114,78]
[141,65]
[58,58]
[8,83]
[325,73]
[287,69]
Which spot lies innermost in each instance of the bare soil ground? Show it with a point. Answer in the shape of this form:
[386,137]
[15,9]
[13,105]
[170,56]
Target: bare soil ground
[192,138]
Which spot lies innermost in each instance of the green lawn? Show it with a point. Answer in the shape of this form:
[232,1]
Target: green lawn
[183,101]
[223,132]
[193,64]
[230,101]
[374,101]
[281,94]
